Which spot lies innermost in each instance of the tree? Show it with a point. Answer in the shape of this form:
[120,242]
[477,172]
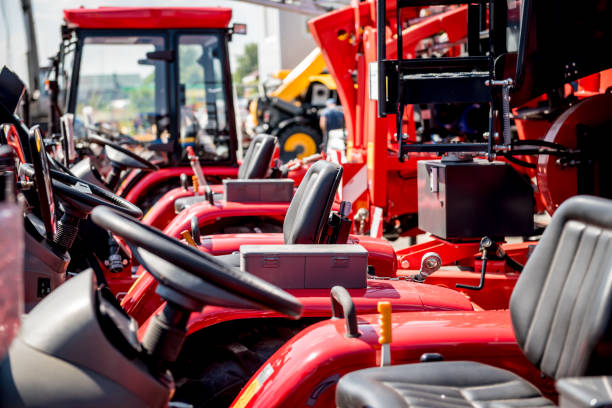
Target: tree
[246,64]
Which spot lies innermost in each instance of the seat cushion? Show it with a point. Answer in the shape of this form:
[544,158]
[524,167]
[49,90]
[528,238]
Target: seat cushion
[437,384]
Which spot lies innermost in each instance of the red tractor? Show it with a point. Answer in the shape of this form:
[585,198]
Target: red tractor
[222,346]
[561,296]
[169,87]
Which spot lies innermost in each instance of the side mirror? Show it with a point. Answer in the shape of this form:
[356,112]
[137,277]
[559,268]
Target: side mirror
[164,55]
[239,28]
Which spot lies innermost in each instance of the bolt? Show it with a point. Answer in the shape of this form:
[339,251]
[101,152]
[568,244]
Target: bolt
[431,263]
[486,242]
[405,264]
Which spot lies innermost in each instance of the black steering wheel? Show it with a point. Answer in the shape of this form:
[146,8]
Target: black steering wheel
[119,137]
[223,282]
[122,156]
[82,194]
[87,195]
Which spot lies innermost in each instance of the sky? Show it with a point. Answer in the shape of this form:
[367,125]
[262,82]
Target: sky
[48,17]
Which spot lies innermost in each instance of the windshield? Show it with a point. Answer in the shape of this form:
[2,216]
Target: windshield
[64,74]
[121,88]
[202,97]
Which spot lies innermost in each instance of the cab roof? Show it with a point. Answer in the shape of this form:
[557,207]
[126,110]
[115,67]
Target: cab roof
[148,17]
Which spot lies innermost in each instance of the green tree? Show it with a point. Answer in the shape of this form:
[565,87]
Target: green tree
[246,64]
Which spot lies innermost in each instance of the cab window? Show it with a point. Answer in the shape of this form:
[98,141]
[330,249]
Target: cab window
[121,88]
[202,96]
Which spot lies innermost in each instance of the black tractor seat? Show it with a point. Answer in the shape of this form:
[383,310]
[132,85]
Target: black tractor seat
[438,384]
[309,210]
[561,312]
[255,165]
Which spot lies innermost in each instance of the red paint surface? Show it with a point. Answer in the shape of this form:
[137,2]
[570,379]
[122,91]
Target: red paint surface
[141,300]
[405,296]
[347,39]
[160,215]
[207,214]
[154,178]
[322,353]
[149,17]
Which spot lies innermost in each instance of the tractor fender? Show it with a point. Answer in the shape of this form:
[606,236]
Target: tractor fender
[406,297]
[162,212]
[141,300]
[207,214]
[148,182]
[306,369]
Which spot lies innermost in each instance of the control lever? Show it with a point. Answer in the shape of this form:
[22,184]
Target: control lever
[486,244]
[343,306]
[114,261]
[430,263]
[386,333]
[196,185]
[208,193]
[195,230]
[188,238]
[184,181]
[194,161]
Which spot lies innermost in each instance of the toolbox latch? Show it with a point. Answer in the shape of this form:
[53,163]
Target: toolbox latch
[340,261]
[271,262]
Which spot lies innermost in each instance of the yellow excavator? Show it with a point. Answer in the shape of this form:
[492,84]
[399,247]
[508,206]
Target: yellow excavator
[290,112]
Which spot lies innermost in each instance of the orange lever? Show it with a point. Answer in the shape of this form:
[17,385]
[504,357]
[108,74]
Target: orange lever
[188,238]
[384,308]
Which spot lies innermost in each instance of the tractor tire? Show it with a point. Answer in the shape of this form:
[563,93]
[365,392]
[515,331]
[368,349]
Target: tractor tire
[216,363]
[298,141]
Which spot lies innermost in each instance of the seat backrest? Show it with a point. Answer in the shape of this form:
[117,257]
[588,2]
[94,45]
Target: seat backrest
[309,209]
[257,158]
[562,304]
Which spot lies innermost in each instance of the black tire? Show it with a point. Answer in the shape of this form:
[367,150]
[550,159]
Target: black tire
[216,363]
[299,140]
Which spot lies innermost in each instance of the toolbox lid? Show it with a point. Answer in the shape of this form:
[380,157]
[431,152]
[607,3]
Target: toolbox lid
[305,249]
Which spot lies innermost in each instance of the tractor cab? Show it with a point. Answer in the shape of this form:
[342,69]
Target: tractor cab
[159,75]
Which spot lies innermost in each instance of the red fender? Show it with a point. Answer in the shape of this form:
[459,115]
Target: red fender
[152,179]
[162,212]
[406,297]
[208,214]
[141,300]
[304,372]
[160,215]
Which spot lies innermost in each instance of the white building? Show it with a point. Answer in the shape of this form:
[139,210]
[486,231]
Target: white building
[286,41]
